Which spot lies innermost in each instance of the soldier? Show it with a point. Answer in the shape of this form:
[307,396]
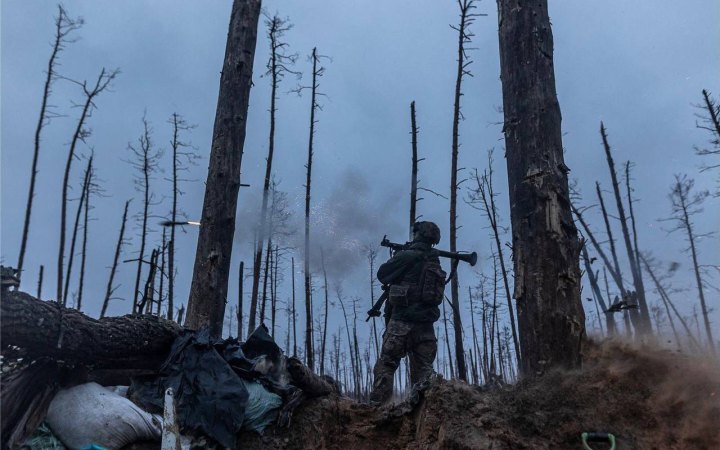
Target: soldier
[416,284]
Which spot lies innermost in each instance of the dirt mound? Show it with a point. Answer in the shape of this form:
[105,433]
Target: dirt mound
[648,398]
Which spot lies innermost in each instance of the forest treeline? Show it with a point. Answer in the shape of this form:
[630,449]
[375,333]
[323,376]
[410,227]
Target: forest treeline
[483,334]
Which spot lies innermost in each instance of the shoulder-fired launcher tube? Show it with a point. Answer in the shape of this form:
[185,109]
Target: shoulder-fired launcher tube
[470,258]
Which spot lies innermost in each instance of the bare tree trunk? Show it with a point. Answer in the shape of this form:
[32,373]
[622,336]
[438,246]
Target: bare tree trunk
[683,206]
[162,273]
[413,176]
[266,274]
[63,26]
[666,299]
[349,340]
[294,314]
[476,345]
[487,195]
[274,284]
[208,292]
[102,82]
[40,282]
[146,164]
[545,243]
[617,278]
[598,293]
[372,254]
[118,248]
[145,303]
[309,358]
[636,249]
[325,319]
[464,37]
[447,342]
[76,227]
[178,124]
[611,240]
[645,325]
[241,282]
[83,252]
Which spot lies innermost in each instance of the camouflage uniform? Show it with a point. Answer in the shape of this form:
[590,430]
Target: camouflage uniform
[409,327]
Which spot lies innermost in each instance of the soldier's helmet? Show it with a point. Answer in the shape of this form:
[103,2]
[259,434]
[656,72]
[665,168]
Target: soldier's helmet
[426,232]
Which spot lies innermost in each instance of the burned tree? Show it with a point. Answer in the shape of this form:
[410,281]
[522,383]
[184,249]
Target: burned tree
[79,135]
[278,66]
[317,72]
[414,171]
[484,195]
[545,243]
[91,188]
[76,226]
[467,17]
[146,162]
[118,248]
[710,121]
[644,319]
[208,292]
[182,156]
[685,204]
[64,25]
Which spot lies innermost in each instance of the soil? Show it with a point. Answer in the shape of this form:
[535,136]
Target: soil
[647,397]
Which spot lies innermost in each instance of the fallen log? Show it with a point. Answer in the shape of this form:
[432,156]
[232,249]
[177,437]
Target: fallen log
[46,329]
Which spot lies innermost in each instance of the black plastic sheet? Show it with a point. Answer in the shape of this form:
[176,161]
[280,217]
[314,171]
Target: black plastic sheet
[206,378]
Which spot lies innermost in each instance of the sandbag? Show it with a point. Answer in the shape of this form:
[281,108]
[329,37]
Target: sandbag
[90,414]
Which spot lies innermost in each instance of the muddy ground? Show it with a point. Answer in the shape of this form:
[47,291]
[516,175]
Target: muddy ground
[648,398]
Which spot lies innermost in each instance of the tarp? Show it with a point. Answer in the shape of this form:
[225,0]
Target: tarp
[207,378]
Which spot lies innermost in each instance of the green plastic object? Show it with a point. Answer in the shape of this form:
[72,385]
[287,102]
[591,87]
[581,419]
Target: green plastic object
[597,437]
[43,439]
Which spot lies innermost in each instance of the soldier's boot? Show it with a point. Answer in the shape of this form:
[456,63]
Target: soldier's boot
[382,389]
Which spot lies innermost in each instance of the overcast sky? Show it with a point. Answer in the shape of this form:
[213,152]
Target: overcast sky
[638,66]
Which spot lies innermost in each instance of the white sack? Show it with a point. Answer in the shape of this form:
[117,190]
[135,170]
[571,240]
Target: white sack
[90,414]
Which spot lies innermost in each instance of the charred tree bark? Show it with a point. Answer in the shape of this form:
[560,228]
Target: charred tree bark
[49,329]
[118,248]
[644,319]
[63,26]
[208,292]
[545,243]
